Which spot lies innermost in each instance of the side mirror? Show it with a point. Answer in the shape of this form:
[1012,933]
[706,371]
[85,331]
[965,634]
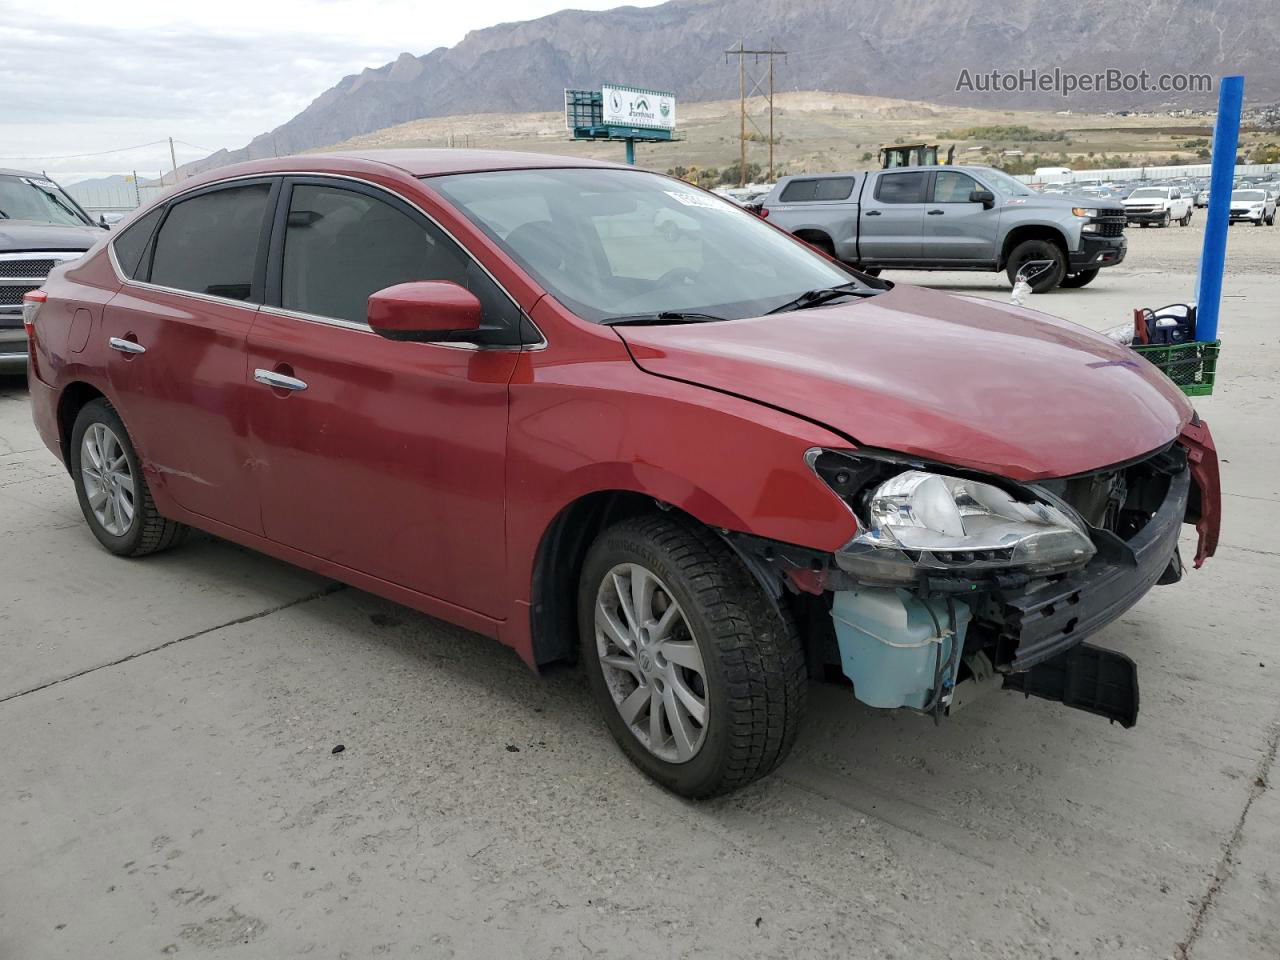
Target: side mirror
[102,222]
[426,311]
[984,197]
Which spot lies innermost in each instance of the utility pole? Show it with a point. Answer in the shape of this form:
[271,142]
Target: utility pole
[741,52]
[173,157]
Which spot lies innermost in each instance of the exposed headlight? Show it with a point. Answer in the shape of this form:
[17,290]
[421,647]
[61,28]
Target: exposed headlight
[917,522]
[1084,211]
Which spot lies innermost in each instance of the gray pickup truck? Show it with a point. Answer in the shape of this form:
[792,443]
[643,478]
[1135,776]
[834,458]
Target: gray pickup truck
[40,227]
[949,218]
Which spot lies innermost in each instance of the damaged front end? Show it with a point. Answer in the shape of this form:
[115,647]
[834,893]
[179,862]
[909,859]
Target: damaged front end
[958,582]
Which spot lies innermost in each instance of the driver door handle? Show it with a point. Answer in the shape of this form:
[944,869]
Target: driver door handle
[278,380]
[936,213]
[126,346]
[873,213]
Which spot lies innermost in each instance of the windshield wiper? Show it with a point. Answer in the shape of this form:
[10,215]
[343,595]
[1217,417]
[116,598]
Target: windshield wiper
[61,203]
[4,216]
[665,316]
[816,298]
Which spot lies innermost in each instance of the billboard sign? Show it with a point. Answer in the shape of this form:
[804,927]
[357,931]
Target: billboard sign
[637,107]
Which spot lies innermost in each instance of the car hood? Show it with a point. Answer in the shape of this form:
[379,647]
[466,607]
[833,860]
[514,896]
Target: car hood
[960,380]
[24,235]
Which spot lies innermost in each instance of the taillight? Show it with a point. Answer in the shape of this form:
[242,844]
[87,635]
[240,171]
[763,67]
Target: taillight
[32,301]
[764,213]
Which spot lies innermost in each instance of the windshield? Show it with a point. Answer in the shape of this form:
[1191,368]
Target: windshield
[1007,185]
[614,243]
[1148,192]
[34,198]
[1250,195]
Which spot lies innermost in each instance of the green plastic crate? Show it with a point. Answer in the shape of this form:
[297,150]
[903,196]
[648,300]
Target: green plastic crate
[1191,366]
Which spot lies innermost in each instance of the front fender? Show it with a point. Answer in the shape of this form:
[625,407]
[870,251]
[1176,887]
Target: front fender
[726,461]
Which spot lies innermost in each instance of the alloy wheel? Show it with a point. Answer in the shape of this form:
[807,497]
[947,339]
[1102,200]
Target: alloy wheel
[651,663]
[108,479]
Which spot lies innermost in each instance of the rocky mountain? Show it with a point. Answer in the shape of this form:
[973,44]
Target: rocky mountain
[916,50]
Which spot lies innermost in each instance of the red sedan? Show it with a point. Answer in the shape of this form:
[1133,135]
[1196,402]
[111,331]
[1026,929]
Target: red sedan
[605,416]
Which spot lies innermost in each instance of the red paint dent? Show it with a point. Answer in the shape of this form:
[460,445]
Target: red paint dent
[977,384]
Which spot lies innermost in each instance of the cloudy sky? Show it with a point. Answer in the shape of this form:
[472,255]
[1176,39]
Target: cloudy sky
[89,77]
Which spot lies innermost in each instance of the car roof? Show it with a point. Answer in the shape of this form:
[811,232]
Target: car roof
[416,162]
[8,172]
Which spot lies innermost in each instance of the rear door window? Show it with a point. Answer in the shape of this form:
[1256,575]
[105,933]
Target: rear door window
[825,188]
[209,243]
[901,187]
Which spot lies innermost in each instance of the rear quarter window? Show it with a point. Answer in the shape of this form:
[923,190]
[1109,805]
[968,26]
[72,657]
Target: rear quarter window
[131,244]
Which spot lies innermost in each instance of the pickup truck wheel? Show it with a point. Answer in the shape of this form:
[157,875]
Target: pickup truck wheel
[1074,281]
[1038,250]
[1186,219]
[113,493]
[700,678]
[1165,220]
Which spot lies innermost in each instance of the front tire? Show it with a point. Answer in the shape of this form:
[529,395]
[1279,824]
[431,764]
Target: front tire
[700,677]
[113,493]
[1166,219]
[1038,250]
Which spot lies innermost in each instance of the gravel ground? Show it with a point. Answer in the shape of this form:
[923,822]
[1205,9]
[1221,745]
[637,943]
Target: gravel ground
[169,783]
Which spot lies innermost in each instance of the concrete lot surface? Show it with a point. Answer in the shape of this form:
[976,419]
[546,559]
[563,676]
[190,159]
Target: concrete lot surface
[168,784]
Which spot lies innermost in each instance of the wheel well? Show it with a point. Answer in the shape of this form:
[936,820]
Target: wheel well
[73,400]
[558,565]
[1019,234]
[816,237]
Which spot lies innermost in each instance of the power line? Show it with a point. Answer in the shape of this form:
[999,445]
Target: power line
[102,153]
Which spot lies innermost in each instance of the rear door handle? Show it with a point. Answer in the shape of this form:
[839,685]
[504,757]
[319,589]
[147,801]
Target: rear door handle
[873,213]
[126,346]
[278,380]
[936,213]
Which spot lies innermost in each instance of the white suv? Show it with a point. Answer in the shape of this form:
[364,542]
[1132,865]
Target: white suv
[1254,204]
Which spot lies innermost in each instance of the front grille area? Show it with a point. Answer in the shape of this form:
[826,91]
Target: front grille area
[1110,228]
[25,268]
[11,295]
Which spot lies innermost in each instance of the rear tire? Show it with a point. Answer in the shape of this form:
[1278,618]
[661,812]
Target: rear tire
[1038,250]
[1074,281]
[730,650]
[113,493]
[1186,220]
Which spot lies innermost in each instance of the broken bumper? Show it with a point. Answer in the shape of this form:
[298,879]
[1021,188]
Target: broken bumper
[1045,622]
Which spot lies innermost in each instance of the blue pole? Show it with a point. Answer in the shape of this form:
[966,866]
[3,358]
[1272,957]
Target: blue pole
[631,151]
[1213,258]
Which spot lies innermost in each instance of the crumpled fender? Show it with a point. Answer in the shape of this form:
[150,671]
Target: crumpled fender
[1205,510]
